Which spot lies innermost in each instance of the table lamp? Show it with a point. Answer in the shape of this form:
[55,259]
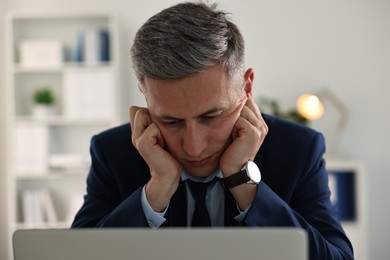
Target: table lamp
[312,107]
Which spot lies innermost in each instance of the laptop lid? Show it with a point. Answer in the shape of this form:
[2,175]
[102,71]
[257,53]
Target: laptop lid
[170,244]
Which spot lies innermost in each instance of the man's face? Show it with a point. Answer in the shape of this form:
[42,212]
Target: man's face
[196,116]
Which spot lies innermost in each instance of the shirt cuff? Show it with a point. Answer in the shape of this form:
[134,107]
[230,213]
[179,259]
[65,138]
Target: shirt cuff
[155,219]
[240,217]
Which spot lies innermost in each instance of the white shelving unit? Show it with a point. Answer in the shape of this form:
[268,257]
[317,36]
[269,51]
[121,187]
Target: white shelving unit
[347,184]
[65,133]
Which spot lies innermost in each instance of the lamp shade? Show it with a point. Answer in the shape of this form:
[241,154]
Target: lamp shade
[310,106]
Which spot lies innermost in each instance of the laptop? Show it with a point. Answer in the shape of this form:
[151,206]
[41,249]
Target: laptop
[162,244]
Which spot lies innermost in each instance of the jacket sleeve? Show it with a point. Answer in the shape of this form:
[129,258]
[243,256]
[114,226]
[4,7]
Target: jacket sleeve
[104,205]
[308,207]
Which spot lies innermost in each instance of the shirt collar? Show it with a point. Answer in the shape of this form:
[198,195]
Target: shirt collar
[185,176]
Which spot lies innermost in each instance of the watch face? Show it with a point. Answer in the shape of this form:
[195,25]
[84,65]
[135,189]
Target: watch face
[253,171]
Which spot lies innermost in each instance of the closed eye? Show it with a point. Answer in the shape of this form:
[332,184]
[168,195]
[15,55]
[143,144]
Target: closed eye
[172,122]
[211,117]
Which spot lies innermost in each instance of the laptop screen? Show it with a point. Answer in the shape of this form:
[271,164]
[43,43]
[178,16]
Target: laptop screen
[165,243]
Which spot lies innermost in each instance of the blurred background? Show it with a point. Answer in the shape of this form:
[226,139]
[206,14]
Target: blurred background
[341,48]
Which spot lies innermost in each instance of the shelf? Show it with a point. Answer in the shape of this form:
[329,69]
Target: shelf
[56,225]
[51,15]
[62,121]
[53,175]
[67,66]
[86,103]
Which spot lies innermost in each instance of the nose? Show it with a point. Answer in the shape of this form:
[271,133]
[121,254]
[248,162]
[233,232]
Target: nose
[195,139]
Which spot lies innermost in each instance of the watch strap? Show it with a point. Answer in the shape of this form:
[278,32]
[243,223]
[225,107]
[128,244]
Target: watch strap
[236,179]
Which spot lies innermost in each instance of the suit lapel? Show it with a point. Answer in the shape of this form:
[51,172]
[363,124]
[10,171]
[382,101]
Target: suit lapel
[176,215]
[230,209]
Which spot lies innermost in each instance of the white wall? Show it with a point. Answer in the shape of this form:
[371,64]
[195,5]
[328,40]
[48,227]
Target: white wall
[296,47]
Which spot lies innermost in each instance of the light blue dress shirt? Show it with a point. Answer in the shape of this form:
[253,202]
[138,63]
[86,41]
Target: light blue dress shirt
[215,203]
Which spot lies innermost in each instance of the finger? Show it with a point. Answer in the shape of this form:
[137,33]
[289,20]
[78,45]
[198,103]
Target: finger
[153,134]
[249,115]
[141,121]
[250,103]
[132,111]
[254,119]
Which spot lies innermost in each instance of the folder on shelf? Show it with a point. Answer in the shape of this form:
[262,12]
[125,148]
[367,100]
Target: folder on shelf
[28,138]
[69,162]
[37,53]
[38,207]
[31,208]
[89,94]
[91,47]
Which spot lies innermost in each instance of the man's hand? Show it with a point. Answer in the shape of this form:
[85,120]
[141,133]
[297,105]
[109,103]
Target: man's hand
[164,169]
[248,135]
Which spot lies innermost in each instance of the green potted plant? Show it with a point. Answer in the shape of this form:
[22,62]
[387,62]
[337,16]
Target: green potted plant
[272,107]
[43,102]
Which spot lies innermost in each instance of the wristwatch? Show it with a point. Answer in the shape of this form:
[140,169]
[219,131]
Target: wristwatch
[250,173]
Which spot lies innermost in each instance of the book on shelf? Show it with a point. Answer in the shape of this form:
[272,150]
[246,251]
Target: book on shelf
[343,194]
[38,207]
[92,46]
[104,45]
[78,53]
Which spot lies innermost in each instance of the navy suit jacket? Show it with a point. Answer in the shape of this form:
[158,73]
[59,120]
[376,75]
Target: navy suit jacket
[293,190]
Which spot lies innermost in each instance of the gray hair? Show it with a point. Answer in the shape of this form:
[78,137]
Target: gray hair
[187,39]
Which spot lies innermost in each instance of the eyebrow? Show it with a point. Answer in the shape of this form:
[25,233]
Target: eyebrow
[210,111]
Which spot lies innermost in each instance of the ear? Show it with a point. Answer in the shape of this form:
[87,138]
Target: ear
[249,77]
[141,87]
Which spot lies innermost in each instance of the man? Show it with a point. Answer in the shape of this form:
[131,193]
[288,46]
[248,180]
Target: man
[201,125]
